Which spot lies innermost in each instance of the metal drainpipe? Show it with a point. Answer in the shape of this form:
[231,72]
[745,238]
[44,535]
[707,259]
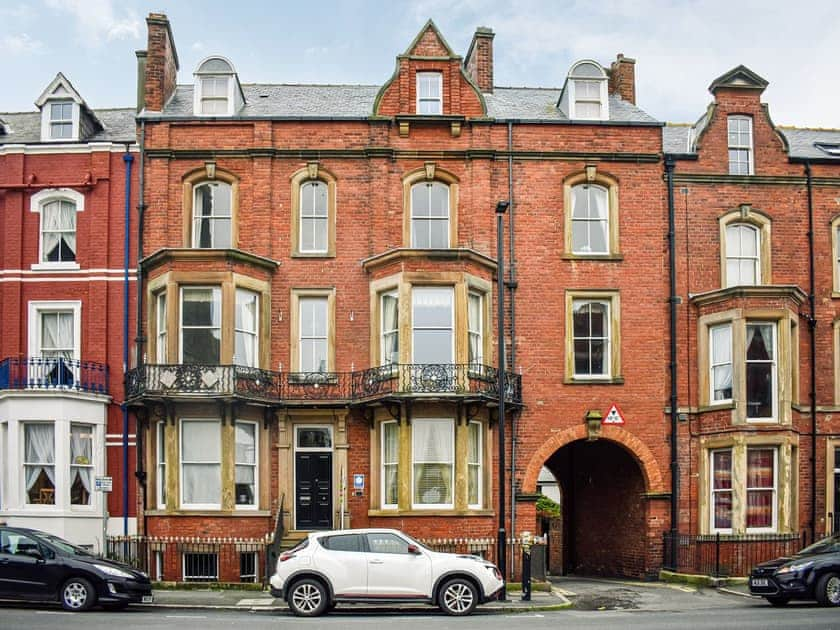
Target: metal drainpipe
[141,207]
[128,159]
[812,343]
[672,307]
[511,286]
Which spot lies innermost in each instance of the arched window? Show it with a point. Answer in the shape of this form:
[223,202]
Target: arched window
[590,219]
[743,259]
[212,215]
[587,92]
[430,215]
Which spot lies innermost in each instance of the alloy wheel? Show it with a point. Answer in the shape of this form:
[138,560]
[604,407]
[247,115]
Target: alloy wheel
[75,595]
[307,598]
[458,597]
[832,590]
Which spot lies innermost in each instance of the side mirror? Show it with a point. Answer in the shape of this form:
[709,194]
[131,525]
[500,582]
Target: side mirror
[414,549]
[33,552]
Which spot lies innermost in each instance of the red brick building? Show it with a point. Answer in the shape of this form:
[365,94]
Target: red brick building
[67,289]
[317,341]
[756,214]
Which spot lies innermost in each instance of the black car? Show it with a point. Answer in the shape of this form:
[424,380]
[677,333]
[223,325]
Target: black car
[813,573]
[37,566]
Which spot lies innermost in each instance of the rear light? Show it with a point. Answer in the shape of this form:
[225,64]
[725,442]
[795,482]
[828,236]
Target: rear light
[286,555]
[496,573]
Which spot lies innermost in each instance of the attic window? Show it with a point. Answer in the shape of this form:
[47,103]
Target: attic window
[429,93]
[214,88]
[831,149]
[61,120]
[587,84]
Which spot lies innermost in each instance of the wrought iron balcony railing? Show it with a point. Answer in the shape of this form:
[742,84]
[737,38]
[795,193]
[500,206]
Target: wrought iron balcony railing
[397,380]
[53,373]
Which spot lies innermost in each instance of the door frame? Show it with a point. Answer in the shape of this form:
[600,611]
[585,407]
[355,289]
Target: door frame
[296,449]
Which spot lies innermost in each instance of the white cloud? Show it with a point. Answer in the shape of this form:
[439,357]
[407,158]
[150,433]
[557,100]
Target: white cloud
[198,46]
[21,44]
[97,21]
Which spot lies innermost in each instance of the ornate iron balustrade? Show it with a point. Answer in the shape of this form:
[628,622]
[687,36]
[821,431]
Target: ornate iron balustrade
[53,373]
[301,387]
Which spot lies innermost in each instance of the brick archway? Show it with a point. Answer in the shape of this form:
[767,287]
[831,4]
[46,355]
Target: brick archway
[637,449]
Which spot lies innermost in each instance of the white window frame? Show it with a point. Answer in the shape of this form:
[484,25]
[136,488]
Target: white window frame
[47,119]
[200,97]
[775,490]
[387,333]
[36,310]
[428,220]
[217,290]
[607,374]
[589,220]
[603,95]
[161,331]
[325,337]
[712,491]
[252,336]
[451,327]
[160,469]
[36,204]
[182,462]
[212,217]
[255,465]
[450,422]
[385,463]
[739,257]
[475,298]
[91,466]
[479,464]
[738,146]
[723,363]
[58,481]
[435,82]
[774,362]
[320,222]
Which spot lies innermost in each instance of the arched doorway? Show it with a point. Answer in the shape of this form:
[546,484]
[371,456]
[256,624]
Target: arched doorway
[604,521]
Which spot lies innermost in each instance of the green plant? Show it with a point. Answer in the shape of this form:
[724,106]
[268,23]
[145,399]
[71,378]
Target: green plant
[548,507]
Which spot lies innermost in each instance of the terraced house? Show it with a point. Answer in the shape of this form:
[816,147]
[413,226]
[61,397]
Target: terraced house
[67,292]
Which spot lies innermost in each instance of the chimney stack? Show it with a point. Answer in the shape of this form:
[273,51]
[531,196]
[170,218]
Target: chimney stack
[479,61]
[623,78]
[161,67]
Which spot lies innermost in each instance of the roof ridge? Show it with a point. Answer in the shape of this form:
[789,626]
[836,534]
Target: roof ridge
[795,128]
[366,85]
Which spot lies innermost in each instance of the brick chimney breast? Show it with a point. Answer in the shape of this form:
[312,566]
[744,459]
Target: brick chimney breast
[623,78]
[161,72]
[479,61]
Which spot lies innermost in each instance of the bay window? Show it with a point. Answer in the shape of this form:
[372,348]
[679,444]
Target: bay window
[201,452]
[81,464]
[389,329]
[201,325]
[721,501]
[761,489]
[39,462]
[245,491]
[761,371]
[720,362]
[160,328]
[161,465]
[246,330]
[475,328]
[432,325]
[433,442]
[475,464]
[390,464]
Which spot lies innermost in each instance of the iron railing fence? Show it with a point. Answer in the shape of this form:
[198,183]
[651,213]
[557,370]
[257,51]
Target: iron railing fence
[487,549]
[726,555]
[351,387]
[194,559]
[50,373]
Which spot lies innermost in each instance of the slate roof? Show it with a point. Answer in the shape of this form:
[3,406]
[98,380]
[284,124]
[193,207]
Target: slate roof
[356,101]
[679,139]
[25,127]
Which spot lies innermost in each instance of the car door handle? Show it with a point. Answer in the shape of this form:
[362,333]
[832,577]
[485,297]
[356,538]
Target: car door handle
[377,562]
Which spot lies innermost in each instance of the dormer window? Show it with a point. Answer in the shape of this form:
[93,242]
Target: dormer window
[217,90]
[429,93]
[585,95]
[740,141]
[61,120]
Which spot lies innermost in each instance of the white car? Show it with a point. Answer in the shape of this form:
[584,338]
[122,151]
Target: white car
[381,566]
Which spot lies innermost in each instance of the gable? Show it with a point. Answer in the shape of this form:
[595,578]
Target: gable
[739,77]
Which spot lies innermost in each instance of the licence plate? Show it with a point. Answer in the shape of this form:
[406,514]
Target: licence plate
[148,599]
[759,582]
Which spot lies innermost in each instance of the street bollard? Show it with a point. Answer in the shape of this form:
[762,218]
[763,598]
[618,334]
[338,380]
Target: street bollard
[527,541]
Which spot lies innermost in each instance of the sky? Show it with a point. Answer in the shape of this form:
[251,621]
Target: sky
[680,46]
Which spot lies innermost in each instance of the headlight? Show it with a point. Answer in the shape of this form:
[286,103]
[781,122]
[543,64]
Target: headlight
[795,567]
[112,571]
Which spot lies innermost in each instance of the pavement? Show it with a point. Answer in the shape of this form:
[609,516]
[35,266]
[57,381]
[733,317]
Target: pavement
[557,594]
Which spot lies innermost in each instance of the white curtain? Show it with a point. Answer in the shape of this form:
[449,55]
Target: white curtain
[246,328]
[390,461]
[81,454]
[40,451]
[59,222]
[474,325]
[390,329]
[433,457]
[200,462]
[722,362]
[57,335]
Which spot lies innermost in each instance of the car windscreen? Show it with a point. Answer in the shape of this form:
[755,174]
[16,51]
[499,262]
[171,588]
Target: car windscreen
[826,545]
[65,546]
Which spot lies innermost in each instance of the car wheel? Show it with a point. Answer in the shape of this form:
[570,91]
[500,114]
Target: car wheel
[778,601]
[458,597]
[308,598]
[77,594]
[828,590]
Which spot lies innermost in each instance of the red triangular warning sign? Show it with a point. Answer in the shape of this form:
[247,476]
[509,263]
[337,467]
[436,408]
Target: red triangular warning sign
[614,416]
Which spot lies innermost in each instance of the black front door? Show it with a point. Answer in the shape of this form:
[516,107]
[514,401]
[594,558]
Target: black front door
[313,490]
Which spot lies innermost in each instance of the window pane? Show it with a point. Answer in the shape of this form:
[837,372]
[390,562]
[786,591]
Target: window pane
[313,355]
[313,317]
[201,307]
[81,463]
[760,342]
[722,470]
[432,307]
[202,441]
[202,483]
[246,443]
[587,110]
[723,510]
[432,346]
[432,483]
[438,234]
[201,346]
[314,437]
[759,390]
[760,468]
